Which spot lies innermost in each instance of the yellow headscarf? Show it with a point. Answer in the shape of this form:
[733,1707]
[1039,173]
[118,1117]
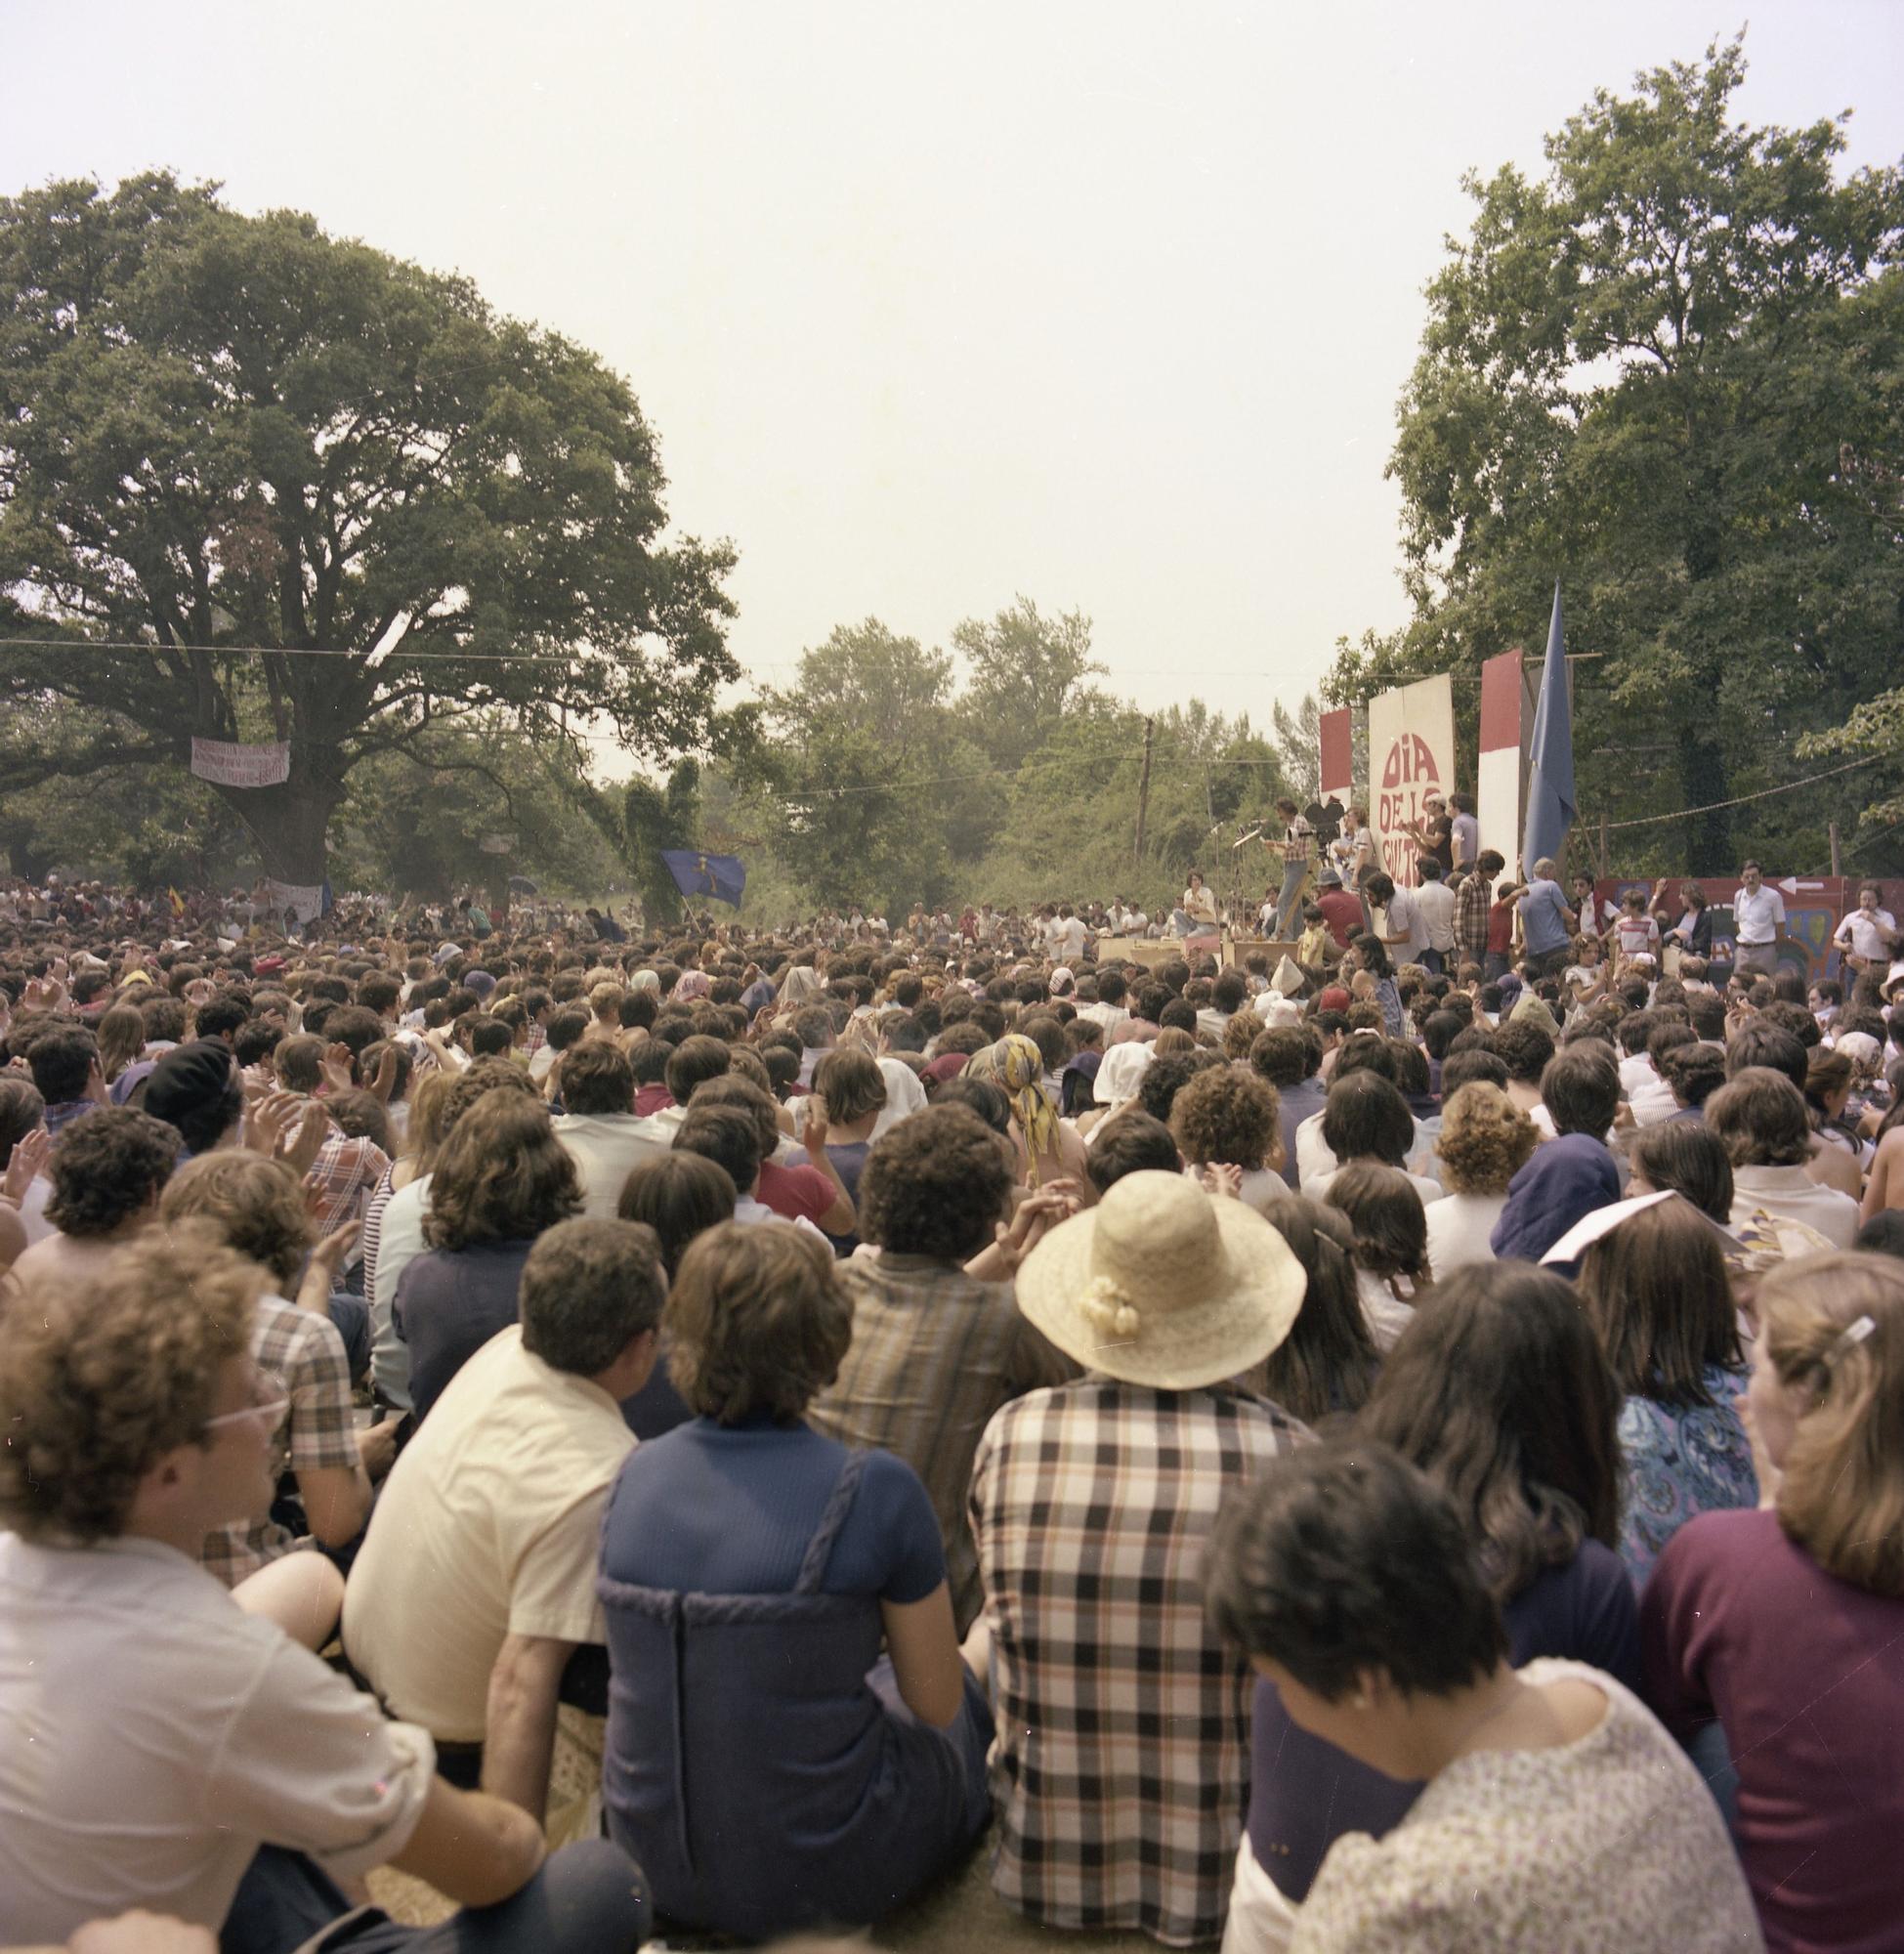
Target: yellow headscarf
[1016,1066]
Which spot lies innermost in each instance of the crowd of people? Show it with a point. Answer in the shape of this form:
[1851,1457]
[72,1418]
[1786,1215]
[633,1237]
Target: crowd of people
[1393,1445]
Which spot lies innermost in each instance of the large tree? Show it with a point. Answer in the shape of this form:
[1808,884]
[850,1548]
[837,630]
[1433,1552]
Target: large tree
[256,483]
[1666,372]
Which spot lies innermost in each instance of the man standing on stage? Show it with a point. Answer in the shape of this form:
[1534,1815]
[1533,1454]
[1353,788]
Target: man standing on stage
[1758,923]
[1297,836]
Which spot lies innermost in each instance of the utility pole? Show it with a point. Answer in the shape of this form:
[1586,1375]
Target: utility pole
[1837,868]
[1144,790]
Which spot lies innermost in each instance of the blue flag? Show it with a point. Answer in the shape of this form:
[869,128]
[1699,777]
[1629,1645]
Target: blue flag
[1551,808]
[695,874]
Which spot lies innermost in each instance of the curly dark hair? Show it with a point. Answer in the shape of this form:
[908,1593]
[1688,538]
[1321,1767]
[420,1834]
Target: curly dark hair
[1227,1113]
[1524,1047]
[99,1380]
[105,1167]
[1167,1074]
[1344,1557]
[501,1175]
[937,1184]
[62,1060]
[757,1322]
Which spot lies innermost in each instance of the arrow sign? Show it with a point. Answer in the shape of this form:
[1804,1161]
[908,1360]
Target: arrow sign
[1790,886]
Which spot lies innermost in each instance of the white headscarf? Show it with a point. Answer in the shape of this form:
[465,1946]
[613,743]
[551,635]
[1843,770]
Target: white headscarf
[905,1096]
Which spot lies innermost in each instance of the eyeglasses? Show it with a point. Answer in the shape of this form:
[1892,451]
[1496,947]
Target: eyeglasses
[269,1401]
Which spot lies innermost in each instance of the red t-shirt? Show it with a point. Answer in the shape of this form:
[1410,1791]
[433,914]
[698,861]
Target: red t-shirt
[1806,1674]
[794,1191]
[1342,913]
[1500,928]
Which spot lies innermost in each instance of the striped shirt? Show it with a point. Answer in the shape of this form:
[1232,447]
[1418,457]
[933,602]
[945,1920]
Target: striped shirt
[1122,1767]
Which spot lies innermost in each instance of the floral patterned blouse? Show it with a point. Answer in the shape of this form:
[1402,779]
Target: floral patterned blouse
[1609,1842]
[1681,1459]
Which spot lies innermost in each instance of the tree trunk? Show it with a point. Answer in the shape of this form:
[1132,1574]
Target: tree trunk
[288,823]
[1704,777]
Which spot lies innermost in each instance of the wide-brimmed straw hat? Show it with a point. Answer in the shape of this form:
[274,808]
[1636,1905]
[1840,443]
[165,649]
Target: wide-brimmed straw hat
[1162,1284]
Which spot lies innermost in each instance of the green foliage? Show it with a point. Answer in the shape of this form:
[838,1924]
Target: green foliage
[1668,371]
[220,429]
[875,782]
[656,818]
[414,822]
[149,827]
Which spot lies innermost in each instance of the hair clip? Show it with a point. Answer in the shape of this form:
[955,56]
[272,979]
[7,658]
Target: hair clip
[1856,1333]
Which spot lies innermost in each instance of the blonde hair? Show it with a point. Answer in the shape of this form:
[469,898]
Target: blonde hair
[423,1136]
[1834,1324]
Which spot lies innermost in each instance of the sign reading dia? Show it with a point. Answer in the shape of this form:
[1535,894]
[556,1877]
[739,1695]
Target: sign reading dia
[1407,776]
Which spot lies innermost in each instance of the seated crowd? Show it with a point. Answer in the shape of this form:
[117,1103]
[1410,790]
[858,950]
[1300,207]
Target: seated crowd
[1355,1456]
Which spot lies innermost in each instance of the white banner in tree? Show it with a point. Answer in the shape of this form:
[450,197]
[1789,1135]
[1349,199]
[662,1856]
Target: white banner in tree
[302,900]
[1410,755]
[226,764]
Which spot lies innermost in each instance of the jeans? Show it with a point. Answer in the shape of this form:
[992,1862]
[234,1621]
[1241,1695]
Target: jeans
[1294,875]
[588,1898]
[1434,962]
[1496,966]
[352,1316]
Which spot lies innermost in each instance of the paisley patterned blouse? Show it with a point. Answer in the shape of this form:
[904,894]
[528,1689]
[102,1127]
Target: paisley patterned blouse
[1680,1461]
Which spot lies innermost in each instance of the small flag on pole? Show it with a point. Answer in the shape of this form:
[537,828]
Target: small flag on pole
[720,876]
[1551,808]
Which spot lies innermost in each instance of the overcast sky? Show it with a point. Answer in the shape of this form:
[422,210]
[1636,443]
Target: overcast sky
[1107,304]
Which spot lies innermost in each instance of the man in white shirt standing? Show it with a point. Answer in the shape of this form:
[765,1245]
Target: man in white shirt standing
[1758,923]
[1434,903]
[1071,936]
[1867,934]
[157,1735]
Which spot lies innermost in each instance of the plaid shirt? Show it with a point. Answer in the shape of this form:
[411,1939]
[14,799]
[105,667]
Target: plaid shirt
[1472,901]
[935,1352]
[344,1175]
[1121,1765]
[64,1112]
[306,1353]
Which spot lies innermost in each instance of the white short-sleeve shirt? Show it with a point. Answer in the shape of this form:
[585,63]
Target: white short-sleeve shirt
[486,1527]
[157,1735]
[1757,916]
